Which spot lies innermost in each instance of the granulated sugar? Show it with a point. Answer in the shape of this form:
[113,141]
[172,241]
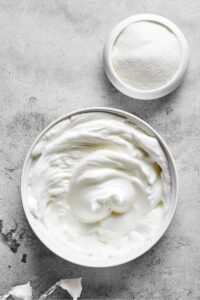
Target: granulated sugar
[146,55]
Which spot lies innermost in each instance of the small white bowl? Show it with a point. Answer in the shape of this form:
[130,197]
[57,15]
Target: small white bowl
[66,253]
[137,93]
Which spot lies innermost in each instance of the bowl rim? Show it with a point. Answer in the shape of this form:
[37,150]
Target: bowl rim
[107,262]
[131,91]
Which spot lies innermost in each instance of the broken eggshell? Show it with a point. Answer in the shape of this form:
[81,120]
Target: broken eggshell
[20,292]
[24,292]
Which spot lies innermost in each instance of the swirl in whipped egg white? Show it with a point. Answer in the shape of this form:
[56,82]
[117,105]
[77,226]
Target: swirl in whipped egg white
[99,182]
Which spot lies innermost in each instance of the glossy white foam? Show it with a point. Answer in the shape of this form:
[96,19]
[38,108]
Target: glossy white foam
[99,184]
[94,236]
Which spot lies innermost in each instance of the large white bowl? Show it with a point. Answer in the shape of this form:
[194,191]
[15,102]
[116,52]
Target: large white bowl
[54,245]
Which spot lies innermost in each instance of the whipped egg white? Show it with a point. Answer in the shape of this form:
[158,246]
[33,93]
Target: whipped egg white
[99,184]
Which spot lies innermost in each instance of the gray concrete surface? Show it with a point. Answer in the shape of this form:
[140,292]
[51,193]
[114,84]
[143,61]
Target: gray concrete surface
[51,64]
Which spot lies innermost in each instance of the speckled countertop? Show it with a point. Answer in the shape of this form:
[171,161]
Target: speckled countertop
[51,64]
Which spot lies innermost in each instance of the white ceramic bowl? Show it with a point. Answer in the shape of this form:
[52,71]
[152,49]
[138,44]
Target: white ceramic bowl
[51,243]
[137,93]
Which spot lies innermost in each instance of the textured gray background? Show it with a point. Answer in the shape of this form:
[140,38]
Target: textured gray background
[51,64]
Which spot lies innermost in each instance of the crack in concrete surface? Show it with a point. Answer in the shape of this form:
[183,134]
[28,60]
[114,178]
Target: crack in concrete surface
[11,238]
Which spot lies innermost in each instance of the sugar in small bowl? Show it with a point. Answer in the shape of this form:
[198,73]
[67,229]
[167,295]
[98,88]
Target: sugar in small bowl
[146,56]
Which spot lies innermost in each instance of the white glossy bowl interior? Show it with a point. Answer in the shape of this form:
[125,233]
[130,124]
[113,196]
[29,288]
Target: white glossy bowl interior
[54,245]
[137,93]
